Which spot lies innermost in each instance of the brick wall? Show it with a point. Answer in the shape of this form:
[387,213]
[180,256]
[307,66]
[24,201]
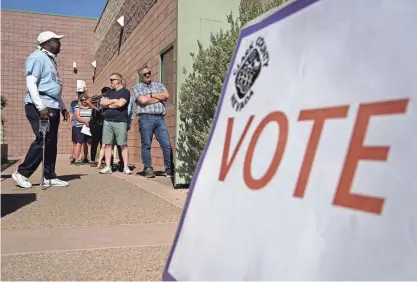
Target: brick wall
[19,31]
[133,11]
[108,17]
[147,41]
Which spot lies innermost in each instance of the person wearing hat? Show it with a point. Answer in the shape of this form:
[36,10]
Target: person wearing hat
[75,155]
[43,101]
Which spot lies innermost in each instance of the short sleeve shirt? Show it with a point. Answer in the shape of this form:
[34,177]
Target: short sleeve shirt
[119,114]
[45,70]
[143,89]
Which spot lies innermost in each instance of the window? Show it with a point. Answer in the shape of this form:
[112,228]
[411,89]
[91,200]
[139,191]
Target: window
[168,73]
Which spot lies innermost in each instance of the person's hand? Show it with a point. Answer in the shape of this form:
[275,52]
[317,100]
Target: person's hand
[65,114]
[44,113]
[87,123]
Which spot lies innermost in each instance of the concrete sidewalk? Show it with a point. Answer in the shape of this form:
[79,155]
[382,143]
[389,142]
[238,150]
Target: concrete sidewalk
[101,227]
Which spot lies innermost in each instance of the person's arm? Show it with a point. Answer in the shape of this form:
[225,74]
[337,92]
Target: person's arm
[33,73]
[62,104]
[163,96]
[141,98]
[91,105]
[70,118]
[106,102]
[118,103]
[79,118]
[147,100]
[122,101]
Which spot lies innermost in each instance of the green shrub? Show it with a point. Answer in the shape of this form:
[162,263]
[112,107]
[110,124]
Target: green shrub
[201,90]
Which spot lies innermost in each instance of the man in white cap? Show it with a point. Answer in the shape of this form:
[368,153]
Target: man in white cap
[43,101]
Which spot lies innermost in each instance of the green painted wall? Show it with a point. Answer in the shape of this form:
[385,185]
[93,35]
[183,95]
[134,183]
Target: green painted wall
[196,20]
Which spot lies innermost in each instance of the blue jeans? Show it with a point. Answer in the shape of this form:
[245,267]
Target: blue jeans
[148,126]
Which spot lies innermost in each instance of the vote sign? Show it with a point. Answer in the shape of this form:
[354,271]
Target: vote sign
[309,172]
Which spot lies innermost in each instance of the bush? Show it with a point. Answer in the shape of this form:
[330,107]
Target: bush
[3,102]
[201,91]
[3,105]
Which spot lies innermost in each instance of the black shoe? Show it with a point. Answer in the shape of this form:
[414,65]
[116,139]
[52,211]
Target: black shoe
[120,166]
[149,173]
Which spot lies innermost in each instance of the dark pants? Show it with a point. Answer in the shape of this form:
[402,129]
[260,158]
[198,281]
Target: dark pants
[34,156]
[96,135]
[148,126]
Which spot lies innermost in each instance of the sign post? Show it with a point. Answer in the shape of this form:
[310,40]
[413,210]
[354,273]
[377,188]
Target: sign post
[309,172]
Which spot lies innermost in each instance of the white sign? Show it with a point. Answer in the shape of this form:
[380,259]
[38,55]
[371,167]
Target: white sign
[80,85]
[310,171]
[86,130]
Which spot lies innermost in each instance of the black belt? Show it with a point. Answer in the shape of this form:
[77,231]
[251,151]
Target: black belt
[115,120]
[151,114]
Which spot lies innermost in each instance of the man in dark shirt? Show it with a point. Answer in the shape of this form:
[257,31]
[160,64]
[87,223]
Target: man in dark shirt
[96,125]
[115,104]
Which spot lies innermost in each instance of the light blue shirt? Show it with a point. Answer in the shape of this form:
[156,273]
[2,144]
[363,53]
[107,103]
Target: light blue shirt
[130,110]
[72,111]
[49,83]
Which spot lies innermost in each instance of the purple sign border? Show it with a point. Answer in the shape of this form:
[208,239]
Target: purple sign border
[281,14]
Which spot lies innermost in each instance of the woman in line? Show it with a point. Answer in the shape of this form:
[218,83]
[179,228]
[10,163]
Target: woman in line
[83,114]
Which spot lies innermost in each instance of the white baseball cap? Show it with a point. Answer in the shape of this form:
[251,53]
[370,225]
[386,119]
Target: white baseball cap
[47,35]
[80,85]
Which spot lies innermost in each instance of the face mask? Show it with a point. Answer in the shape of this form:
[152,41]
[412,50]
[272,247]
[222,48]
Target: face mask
[47,52]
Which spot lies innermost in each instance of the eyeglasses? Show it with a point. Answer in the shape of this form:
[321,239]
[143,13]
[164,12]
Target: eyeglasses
[83,100]
[111,79]
[147,74]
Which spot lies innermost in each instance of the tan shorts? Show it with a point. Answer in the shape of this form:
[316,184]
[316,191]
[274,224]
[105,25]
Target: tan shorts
[114,131]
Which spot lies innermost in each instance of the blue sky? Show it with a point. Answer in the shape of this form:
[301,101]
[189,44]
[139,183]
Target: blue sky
[81,8]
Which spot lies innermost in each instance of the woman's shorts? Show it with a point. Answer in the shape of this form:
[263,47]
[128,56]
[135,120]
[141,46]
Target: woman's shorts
[81,137]
[74,134]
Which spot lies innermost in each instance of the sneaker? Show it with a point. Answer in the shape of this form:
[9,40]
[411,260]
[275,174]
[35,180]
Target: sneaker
[21,181]
[149,173]
[106,170]
[55,183]
[78,163]
[85,161]
[127,171]
[168,173]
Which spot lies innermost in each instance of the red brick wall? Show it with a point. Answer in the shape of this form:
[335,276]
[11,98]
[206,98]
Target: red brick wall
[19,31]
[149,39]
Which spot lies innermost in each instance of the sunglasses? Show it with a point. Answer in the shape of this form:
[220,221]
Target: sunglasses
[83,100]
[111,79]
[147,74]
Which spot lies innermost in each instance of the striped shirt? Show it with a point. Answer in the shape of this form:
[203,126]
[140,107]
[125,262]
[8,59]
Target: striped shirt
[85,113]
[143,89]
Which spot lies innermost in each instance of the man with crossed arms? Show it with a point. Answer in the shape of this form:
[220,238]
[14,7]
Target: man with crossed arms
[150,98]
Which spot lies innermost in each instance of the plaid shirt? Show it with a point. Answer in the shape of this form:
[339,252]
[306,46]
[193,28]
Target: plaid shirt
[143,89]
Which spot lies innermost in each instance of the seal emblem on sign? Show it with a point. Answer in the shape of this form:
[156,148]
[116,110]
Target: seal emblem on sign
[255,59]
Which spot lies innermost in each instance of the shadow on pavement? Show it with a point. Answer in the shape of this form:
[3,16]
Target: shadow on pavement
[67,177]
[7,164]
[70,177]
[12,202]
[160,177]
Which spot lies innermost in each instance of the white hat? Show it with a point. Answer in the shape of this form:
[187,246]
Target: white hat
[47,35]
[80,85]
